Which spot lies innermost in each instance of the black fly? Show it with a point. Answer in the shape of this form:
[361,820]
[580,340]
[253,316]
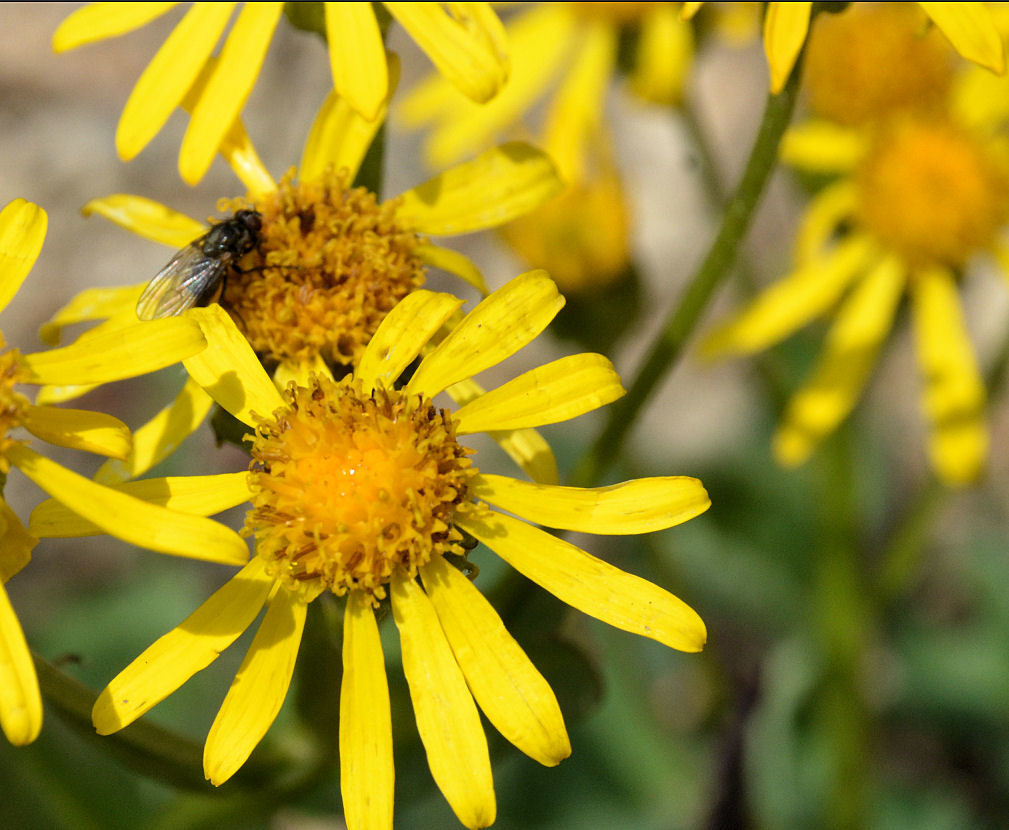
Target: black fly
[195,273]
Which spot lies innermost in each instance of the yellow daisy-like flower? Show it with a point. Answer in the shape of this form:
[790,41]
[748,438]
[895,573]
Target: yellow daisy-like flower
[576,42]
[465,41]
[969,27]
[331,262]
[360,487]
[100,359]
[920,196]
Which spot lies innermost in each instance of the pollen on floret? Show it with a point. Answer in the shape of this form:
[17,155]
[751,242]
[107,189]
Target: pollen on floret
[932,191]
[331,263]
[873,59]
[350,488]
[12,404]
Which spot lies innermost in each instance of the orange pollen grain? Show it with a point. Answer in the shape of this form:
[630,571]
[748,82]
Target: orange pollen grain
[330,264]
[873,59]
[350,488]
[932,192]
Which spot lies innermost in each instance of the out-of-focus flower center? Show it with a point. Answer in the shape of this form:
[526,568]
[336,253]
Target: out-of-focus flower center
[330,265]
[932,192]
[617,13]
[350,488]
[875,58]
[12,404]
[580,237]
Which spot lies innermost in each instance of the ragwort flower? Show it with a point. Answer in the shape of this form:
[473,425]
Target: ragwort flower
[465,41]
[331,262]
[101,359]
[360,487]
[922,194]
[969,27]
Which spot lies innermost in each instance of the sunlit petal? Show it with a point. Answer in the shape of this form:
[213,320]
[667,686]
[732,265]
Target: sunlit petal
[824,215]
[971,30]
[79,429]
[147,218]
[823,147]
[785,27]
[357,57]
[16,543]
[98,21]
[90,304]
[20,701]
[454,262]
[22,232]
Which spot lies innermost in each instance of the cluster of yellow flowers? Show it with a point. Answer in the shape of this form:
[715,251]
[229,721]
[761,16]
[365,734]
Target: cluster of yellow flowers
[302,314]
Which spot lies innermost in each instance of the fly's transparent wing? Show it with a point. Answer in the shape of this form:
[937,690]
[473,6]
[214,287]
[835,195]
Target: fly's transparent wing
[189,276]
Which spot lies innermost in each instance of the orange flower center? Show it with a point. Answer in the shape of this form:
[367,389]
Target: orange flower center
[873,59]
[330,265]
[12,404]
[932,192]
[350,487]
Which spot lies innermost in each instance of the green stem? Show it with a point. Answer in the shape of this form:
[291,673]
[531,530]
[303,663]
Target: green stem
[684,317]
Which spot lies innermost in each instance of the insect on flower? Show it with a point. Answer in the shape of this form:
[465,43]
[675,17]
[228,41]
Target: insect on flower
[193,276]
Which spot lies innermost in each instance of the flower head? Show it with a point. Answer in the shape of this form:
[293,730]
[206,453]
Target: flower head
[465,41]
[361,488]
[922,194]
[332,259]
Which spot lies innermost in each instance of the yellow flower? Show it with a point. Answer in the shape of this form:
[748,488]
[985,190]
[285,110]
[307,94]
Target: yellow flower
[102,358]
[577,41]
[361,488]
[331,262]
[969,27]
[920,197]
[465,41]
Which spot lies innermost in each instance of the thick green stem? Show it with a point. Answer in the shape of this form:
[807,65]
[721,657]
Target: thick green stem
[684,317]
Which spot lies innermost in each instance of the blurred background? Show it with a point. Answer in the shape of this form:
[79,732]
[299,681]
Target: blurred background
[815,704]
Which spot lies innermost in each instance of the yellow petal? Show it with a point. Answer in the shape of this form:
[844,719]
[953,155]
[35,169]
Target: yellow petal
[638,506]
[455,263]
[576,111]
[791,302]
[357,57]
[79,429]
[447,719]
[954,393]
[785,27]
[367,776]
[20,700]
[540,39]
[160,436]
[688,10]
[90,304]
[340,136]
[22,232]
[115,355]
[129,519]
[526,447]
[169,76]
[229,370]
[498,327]
[823,147]
[184,650]
[595,587]
[228,88]
[497,186]
[557,391]
[402,334]
[259,688]
[147,218]
[466,42]
[16,543]
[98,21]
[511,692]
[824,215]
[849,355]
[194,495]
[971,30]
[665,54]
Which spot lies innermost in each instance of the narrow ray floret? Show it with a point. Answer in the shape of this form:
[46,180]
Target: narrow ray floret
[102,359]
[362,488]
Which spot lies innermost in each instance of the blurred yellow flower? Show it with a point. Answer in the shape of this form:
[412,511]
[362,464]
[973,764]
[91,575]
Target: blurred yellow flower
[968,26]
[103,358]
[465,41]
[921,195]
[360,488]
[331,262]
[578,42]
